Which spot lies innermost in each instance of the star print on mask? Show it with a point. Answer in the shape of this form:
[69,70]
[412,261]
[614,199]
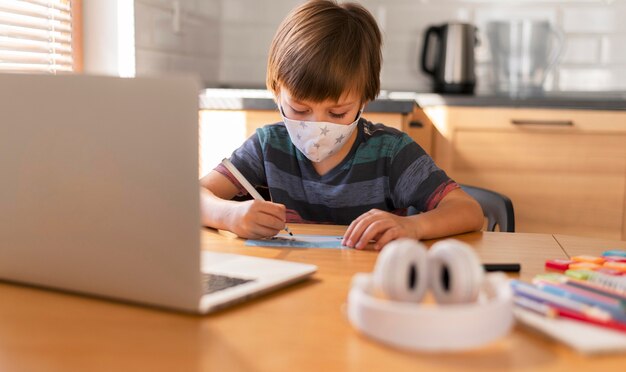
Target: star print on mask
[324,131]
[339,139]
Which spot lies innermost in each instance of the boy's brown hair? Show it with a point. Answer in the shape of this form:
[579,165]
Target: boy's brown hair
[323,50]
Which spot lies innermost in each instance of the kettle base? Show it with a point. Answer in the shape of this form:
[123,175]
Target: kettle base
[459,88]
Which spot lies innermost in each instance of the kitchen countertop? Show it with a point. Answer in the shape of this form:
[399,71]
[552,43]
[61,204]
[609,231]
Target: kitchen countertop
[555,100]
[404,102]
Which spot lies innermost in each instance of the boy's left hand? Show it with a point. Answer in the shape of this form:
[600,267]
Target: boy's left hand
[379,226]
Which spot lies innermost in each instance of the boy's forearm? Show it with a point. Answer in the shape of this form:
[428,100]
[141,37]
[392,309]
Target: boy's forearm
[214,210]
[449,218]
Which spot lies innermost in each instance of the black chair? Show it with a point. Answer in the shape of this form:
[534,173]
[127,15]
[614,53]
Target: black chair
[497,208]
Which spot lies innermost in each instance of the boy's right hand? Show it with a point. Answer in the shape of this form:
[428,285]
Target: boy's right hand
[254,219]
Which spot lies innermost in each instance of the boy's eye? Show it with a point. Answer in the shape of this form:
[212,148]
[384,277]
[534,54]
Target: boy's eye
[298,112]
[337,116]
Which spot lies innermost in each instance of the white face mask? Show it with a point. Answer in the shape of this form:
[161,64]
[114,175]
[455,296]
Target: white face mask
[318,140]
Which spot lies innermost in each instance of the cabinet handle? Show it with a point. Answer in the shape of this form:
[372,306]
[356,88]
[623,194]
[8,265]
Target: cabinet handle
[416,124]
[565,123]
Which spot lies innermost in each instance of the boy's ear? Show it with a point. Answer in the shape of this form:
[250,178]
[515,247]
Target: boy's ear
[276,95]
[276,98]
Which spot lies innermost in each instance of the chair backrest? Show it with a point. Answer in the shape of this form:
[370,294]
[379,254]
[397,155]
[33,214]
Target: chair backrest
[497,208]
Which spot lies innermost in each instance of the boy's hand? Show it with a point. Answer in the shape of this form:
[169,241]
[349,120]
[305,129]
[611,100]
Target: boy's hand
[379,226]
[254,219]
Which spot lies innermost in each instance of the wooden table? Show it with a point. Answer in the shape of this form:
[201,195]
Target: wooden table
[574,245]
[299,328]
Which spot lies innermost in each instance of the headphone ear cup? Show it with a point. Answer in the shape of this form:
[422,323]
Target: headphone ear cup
[401,270]
[456,273]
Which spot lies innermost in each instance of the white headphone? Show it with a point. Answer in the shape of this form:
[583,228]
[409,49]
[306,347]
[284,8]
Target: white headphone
[477,309]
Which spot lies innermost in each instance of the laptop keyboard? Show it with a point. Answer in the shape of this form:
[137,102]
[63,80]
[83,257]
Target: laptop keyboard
[213,283]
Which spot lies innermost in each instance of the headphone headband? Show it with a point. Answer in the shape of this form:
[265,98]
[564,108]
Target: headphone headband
[409,325]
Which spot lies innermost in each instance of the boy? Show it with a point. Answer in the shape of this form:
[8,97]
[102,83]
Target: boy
[324,163]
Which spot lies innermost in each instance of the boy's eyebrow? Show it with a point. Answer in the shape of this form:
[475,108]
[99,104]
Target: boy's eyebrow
[343,104]
[296,101]
[335,106]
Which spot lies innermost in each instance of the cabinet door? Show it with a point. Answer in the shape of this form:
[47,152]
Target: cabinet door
[259,118]
[565,170]
[420,128]
[569,183]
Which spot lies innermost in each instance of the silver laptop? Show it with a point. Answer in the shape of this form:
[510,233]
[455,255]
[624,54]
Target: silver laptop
[100,194]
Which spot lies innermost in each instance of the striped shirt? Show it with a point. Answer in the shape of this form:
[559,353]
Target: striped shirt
[385,169]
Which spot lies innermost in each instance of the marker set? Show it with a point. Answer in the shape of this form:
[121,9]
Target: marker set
[558,295]
[611,263]
[591,289]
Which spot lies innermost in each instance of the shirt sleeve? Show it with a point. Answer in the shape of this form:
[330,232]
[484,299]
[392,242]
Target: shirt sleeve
[248,159]
[414,178]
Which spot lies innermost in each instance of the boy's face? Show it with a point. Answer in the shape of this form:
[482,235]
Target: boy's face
[344,111]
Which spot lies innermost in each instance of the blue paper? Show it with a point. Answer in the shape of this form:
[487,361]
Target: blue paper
[299,241]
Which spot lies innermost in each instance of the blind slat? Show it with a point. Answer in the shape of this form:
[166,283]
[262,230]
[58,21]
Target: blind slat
[7,43]
[35,35]
[26,9]
[21,67]
[32,57]
[57,4]
[32,22]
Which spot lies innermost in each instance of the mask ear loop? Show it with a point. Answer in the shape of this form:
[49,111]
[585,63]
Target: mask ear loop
[358,114]
[280,110]
[280,106]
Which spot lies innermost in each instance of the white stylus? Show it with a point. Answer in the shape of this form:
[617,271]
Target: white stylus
[244,182]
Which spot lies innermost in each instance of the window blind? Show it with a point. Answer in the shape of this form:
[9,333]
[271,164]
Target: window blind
[36,36]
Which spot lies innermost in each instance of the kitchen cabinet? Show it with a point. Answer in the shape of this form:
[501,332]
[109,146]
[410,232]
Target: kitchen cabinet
[564,170]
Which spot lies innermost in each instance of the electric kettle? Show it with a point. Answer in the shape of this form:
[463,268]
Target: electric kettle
[452,67]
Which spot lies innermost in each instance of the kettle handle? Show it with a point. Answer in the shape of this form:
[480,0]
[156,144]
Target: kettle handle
[434,30]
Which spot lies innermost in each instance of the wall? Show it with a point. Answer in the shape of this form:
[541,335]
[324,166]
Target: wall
[226,41]
[108,37]
[594,57]
[174,36]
